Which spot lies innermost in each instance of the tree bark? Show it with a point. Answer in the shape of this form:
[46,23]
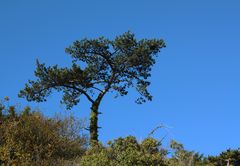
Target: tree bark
[94,114]
[94,124]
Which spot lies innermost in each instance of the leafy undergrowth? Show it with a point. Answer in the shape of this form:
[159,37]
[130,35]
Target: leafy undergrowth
[27,138]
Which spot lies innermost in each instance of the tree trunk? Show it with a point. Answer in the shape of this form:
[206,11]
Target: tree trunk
[94,117]
[94,124]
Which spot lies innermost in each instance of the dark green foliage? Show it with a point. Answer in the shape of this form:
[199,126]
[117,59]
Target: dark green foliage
[98,66]
[126,152]
[229,156]
[29,138]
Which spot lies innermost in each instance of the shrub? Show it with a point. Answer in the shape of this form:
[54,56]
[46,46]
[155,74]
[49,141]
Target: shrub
[29,138]
[125,152]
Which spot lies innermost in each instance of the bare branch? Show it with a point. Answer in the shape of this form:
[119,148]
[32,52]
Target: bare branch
[162,127]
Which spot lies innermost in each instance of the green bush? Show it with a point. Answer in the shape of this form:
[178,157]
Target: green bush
[230,156]
[29,138]
[126,152]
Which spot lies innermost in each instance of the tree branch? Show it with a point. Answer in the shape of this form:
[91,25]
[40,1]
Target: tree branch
[103,56]
[72,87]
[106,88]
[97,89]
[80,90]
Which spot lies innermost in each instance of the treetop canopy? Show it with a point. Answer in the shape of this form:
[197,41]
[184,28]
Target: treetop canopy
[98,65]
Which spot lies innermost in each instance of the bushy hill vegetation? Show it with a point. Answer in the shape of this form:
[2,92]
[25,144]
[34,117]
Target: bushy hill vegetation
[29,138]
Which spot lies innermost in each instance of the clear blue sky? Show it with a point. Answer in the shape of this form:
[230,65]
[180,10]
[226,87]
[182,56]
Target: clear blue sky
[195,83]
